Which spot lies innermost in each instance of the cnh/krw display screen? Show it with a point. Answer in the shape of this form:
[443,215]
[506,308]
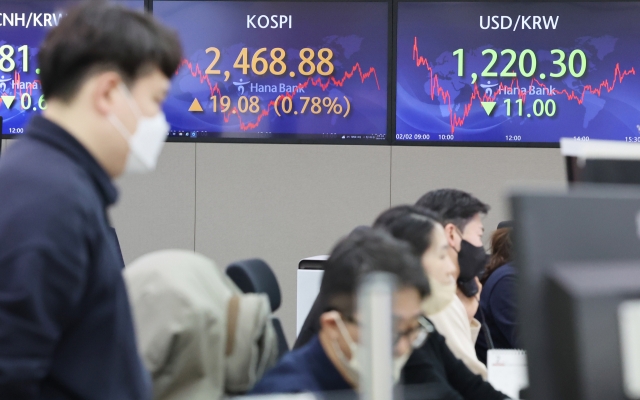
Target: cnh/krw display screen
[517,72]
[279,71]
[23,26]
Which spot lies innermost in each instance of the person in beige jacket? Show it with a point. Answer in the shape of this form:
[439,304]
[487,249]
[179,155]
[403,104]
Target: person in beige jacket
[200,337]
[462,214]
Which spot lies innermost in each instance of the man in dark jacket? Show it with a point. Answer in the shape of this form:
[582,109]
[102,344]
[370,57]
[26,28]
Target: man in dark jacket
[66,330]
[328,361]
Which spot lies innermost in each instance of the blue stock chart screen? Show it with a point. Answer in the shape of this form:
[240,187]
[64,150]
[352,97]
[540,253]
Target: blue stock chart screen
[279,71]
[517,73]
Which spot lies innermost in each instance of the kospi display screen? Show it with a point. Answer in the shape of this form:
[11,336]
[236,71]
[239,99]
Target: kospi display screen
[271,71]
[517,73]
[23,25]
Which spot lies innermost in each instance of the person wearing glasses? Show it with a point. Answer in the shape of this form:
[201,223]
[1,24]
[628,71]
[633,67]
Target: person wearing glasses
[433,368]
[328,362]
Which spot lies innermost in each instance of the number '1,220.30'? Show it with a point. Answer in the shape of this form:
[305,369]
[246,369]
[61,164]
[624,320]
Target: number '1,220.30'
[527,63]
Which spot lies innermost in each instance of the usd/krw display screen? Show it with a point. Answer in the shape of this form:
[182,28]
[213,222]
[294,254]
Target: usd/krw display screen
[23,26]
[279,71]
[517,72]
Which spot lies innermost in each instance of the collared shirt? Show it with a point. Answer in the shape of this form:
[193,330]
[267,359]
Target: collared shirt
[66,330]
[307,369]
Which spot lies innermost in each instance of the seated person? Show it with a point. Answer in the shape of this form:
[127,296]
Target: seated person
[423,230]
[199,336]
[311,325]
[498,301]
[328,362]
[462,216]
[434,365]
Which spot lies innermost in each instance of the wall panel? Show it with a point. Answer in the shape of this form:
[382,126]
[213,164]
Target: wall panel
[157,211]
[285,202]
[486,172]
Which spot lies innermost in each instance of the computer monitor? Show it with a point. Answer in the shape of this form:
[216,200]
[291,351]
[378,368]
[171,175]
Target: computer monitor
[602,171]
[586,224]
[591,357]
[601,161]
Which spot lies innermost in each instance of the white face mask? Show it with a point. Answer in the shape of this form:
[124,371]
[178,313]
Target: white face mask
[352,366]
[145,144]
[441,296]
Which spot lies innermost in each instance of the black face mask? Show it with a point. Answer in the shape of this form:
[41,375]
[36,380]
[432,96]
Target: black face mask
[472,261]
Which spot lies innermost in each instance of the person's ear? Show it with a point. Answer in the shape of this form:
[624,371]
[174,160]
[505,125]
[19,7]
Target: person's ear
[452,235]
[328,323]
[105,93]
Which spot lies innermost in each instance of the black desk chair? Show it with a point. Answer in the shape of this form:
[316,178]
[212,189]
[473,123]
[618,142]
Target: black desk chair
[255,276]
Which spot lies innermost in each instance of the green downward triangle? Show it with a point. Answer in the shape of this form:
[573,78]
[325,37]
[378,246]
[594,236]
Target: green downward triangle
[488,106]
[8,100]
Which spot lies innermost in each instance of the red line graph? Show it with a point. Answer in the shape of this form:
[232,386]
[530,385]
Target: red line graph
[17,91]
[356,70]
[457,121]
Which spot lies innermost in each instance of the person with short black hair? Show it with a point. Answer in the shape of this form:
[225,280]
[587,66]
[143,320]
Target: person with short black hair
[453,205]
[433,364]
[66,329]
[328,361]
[462,215]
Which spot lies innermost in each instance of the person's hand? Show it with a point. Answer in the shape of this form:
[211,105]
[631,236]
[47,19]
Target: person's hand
[471,304]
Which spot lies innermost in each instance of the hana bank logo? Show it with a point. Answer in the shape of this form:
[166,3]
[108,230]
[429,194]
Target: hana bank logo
[3,83]
[240,85]
[488,88]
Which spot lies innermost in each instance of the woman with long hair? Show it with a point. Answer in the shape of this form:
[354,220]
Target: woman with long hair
[498,298]
[433,364]
[501,252]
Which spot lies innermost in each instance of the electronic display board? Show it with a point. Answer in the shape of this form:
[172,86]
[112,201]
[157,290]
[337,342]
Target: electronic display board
[269,71]
[23,26]
[517,73]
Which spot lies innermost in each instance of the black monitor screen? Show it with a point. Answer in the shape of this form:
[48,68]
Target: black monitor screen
[600,223]
[279,71]
[517,73]
[23,25]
